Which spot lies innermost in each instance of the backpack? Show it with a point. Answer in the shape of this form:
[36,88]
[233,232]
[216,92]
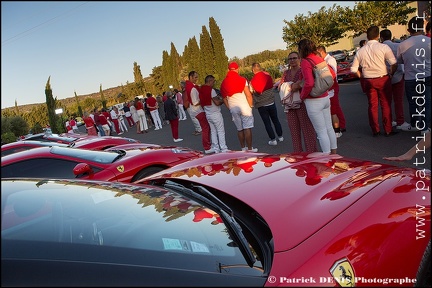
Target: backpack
[323,76]
[186,103]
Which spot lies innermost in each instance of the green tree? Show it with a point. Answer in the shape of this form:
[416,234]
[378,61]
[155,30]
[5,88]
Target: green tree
[324,27]
[5,124]
[8,137]
[18,126]
[138,78]
[16,108]
[176,66]
[80,112]
[103,100]
[166,70]
[207,57]
[37,128]
[193,55]
[379,13]
[51,106]
[221,59]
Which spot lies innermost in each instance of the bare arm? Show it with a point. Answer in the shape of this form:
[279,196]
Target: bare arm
[248,96]
[421,146]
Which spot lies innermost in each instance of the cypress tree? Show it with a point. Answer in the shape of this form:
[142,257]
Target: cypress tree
[104,101]
[221,59]
[207,58]
[80,112]
[166,70]
[51,106]
[177,67]
[138,78]
[193,55]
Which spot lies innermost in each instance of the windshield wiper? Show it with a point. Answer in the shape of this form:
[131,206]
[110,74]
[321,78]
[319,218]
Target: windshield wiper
[229,220]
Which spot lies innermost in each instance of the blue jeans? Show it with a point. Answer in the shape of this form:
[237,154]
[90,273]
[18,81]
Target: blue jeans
[101,131]
[268,115]
[419,103]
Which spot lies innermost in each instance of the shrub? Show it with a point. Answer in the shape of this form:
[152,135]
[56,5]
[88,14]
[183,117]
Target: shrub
[8,137]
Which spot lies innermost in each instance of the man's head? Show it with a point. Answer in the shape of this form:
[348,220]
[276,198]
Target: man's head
[415,25]
[256,67]
[385,34]
[372,33]
[362,43]
[233,66]
[193,76]
[209,80]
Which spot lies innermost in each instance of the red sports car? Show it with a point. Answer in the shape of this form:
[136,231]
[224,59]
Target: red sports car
[318,221]
[101,143]
[119,165]
[61,138]
[344,72]
[89,143]
[24,145]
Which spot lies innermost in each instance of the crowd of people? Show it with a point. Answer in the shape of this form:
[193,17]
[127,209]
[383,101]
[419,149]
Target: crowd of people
[387,71]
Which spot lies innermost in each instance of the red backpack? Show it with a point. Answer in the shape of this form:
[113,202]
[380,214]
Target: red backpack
[186,102]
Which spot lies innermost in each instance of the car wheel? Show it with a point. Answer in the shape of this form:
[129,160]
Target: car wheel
[423,277]
[147,172]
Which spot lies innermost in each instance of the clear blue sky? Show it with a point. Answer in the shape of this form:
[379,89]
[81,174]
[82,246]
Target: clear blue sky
[82,45]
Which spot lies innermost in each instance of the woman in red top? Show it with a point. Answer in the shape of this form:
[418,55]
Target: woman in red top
[142,120]
[89,125]
[318,108]
[298,119]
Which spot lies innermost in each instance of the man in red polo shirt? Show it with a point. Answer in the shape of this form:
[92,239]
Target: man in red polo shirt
[196,111]
[238,99]
[263,95]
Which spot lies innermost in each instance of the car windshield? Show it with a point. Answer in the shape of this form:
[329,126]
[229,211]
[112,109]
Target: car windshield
[104,157]
[146,219]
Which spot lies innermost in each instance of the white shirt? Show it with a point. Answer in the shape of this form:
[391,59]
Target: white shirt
[213,107]
[113,114]
[195,108]
[331,61]
[415,53]
[398,75]
[372,57]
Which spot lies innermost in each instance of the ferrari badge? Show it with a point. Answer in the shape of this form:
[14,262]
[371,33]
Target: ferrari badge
[343,273]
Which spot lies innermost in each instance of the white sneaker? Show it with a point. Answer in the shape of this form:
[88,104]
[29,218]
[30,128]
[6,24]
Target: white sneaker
[156,128]
[225,150]
[209,151]
[409,128]
[178,140]
[120,133]
[280,139]
[394,123]
[403,126]
[272,142]
[338,134]
[253,150]
[244,149]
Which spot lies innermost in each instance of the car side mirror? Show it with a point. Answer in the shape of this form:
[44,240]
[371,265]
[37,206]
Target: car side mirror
[82,168]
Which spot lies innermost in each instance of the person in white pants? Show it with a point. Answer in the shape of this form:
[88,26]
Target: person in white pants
[122,122]
[154,112]
[211,102]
